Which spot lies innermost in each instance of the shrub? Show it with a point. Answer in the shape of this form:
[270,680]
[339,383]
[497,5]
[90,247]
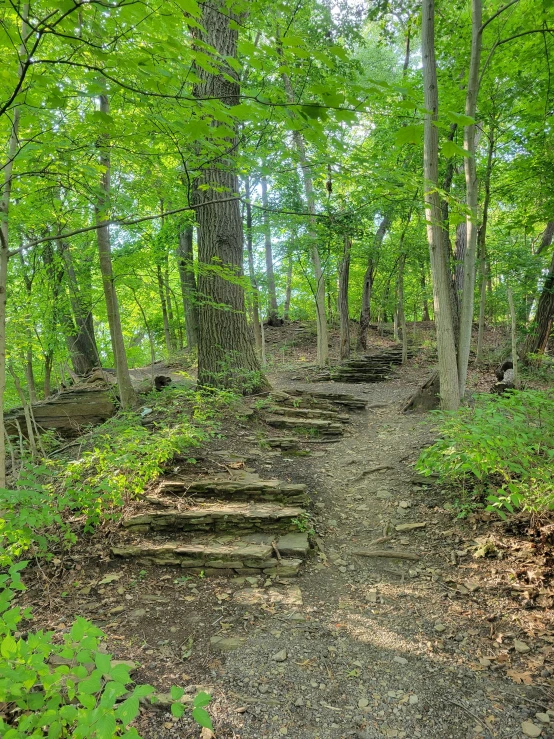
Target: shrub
[502,448]
[68,689]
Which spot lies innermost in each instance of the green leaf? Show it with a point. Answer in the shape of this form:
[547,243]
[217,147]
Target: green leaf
[177,709]
[202,699]
[8,647]
[460,118]
[92,685]
[103,662]
[176,693]
[451,149]
[105,727]
[202,718]
[128,710]
[412,134]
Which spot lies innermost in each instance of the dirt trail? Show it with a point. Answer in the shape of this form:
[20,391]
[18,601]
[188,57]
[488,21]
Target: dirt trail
[355,646]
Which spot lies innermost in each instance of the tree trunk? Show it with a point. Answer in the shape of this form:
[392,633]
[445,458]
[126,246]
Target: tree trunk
[252,270]
[344,276]
[288,290]
[319,292]
[401,310]
[425,316]
[446,347]
[472,197]
[514,335]
[163,303]
[481,246]
[541,327]
[127,395]
[4,242]
[187,279]
[48,363]
[226,354]
[79,334]
[273,311]
[365,312]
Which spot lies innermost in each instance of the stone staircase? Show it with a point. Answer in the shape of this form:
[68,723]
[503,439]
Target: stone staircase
[242,525]
[373,367]
[316,412]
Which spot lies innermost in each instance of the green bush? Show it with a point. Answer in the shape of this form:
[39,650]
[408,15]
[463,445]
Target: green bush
[501,449]
[67,689]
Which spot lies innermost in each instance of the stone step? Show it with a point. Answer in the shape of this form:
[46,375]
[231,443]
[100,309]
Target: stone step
[323,426]
[266,490]
[343,399]
[240,517]
[243,556]
[310,413]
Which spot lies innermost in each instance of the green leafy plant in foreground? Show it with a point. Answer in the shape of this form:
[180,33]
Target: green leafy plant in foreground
[501,450]
[68,689]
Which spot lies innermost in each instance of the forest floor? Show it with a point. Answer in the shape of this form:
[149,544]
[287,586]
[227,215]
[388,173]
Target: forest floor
[448,644]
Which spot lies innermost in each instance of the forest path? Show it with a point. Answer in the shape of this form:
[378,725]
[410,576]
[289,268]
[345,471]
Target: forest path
[377,647]
[354,647]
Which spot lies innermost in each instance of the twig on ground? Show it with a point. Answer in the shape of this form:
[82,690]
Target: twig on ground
[390,553]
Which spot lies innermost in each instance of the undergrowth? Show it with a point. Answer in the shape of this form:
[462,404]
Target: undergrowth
[54,499]
[500,451]
[68,688]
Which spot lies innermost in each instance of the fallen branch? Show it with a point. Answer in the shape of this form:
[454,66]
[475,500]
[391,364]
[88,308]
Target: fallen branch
[371,471]
[390,553]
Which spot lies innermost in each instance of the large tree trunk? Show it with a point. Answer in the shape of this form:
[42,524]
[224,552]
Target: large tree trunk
[258,336]
[482,246]
[226,354]
[401,310]
[365,312]
[446,346]
[273,311]
[187,278]
[472,197]
[344,276]
[541,326]
[127,394]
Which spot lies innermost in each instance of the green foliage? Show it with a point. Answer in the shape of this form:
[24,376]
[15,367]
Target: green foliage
[501,449]
[71,688]
[124,456]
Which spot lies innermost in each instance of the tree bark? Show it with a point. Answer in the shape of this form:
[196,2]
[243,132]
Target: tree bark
[127,395]
[80,337]
[13,146]
[541,326]
[425,316]
[472,197]
[482,246]
[513,318]
[344,276]
[252,270]
[163,303]
[273,312]
[288,289]
[446,346]
[226,354]
[187,279]
[367,287]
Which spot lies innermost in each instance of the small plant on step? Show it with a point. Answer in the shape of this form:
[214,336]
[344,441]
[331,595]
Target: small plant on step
[303,524]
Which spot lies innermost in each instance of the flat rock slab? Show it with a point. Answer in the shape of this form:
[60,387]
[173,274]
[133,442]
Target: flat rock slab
[410,526]
[324,426]
[218,517]
[289,596]
[294,544]
[233,489]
